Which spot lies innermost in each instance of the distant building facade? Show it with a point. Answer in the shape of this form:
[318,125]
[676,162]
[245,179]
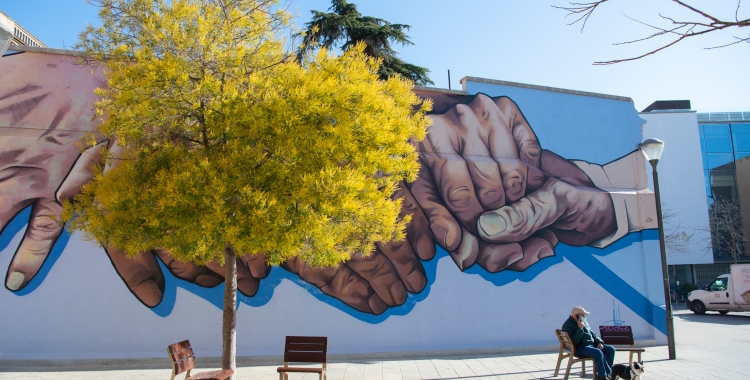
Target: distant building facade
[706,164]
[725,150]
[21,36]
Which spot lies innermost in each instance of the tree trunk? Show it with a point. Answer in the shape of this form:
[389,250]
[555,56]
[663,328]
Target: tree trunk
[229,327]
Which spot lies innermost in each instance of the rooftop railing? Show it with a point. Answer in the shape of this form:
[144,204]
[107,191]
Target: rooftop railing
[724,116]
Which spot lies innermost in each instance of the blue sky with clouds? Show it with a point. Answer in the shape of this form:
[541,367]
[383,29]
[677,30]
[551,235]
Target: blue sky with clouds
[522,41]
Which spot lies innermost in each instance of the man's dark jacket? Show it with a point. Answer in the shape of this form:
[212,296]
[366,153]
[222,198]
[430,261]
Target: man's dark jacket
[581,336]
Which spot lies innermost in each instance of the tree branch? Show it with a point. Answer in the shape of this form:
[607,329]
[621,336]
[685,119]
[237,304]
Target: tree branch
[683,29]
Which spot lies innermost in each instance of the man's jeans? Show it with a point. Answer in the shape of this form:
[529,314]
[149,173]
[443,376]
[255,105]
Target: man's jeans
[603,359]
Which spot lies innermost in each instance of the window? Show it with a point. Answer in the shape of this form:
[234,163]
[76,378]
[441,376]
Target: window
[722,184]
[722,161]
[717,138]
[718,285]
[741,137]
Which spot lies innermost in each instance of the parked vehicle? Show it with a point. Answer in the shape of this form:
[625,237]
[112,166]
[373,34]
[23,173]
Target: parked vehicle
[728,292]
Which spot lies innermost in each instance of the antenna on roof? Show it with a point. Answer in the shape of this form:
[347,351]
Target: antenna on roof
[449,79]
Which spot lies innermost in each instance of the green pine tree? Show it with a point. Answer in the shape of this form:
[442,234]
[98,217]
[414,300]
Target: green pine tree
[344,27]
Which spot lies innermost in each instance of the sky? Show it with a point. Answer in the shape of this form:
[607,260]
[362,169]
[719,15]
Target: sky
[525,41]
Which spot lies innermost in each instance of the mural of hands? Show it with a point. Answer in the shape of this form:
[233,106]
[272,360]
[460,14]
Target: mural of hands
[44,114]
[494,197]
[486,193]
[383,279]
[41,167]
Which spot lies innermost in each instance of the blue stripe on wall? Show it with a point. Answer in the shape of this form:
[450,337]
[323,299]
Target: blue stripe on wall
[582,257]
[619,288]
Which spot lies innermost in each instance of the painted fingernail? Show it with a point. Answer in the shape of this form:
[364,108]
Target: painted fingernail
[398,293]
[149,293]
[466,254]
[416,280]
[15,280]
[377,305]
[425,247]
[492,223]
[440,233]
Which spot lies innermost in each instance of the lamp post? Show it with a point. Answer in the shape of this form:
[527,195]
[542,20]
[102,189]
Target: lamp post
[652,149]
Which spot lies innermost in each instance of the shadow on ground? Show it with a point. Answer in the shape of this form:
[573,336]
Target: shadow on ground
[713,317]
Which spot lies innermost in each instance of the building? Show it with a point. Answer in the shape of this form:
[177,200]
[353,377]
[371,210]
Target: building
[705,178]
[21,36]
[725,150]
[682,188]
[568,159]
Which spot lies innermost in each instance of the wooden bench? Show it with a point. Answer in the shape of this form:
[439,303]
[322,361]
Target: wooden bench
[566,344]
[621,336]
[183,359]
[304,349]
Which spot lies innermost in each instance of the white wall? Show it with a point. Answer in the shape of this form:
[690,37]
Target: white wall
[681,179]
[82,309]
[77,306]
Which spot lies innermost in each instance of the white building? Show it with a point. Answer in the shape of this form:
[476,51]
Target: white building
[21,36]
[704,160]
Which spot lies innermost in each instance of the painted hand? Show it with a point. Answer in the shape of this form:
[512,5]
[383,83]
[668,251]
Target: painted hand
[144,277]
[384,278]
[494,197]
[34,161]
[41,167]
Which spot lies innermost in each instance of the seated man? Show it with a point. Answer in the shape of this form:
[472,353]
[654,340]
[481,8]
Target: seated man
[588,344]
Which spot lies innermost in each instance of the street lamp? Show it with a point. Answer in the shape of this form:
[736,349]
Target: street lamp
[652,149]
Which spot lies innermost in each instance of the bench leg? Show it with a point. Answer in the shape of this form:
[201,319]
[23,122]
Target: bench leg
[567,370]
[281,376]
[583,368]
[560,358]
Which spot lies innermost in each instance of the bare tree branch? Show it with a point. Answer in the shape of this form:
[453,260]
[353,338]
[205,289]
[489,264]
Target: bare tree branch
[584,9]
[676,239]
[682,29]
[727,238]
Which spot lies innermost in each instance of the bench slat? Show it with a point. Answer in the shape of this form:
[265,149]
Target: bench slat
[300,369]
[318,347]
[212,375]
[619,335]
[179,346]
[182,354]
[304,357]
[630,349]
[307,339]
[184,365]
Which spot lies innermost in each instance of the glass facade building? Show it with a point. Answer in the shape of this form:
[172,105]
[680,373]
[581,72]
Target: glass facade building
[725,149]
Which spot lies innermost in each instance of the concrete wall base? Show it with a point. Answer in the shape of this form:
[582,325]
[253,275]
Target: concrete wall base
[249,361]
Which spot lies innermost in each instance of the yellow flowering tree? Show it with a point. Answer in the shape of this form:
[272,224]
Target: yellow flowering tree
[225,145]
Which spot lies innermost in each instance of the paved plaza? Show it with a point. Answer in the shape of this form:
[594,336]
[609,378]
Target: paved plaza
[709,346]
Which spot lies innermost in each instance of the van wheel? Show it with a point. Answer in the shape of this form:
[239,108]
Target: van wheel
[699,308]
[723,312]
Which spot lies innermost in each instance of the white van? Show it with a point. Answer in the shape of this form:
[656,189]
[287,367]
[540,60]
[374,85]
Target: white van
[728,292]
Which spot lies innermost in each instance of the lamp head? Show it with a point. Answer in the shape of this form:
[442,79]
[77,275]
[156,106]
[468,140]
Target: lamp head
[652,149]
